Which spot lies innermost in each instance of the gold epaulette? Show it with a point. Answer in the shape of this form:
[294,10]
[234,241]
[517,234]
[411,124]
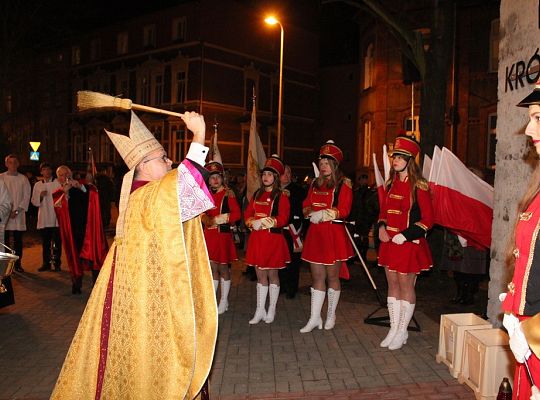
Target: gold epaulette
[422,184]
[347,182]
[230,193]
[286,192]
[388,182]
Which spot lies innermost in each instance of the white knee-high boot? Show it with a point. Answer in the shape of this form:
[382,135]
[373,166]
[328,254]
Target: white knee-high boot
[260,312]
[333,300]
[393,312]
[405,315]
[216,284]
[273,294]
[224,301]
[315,320]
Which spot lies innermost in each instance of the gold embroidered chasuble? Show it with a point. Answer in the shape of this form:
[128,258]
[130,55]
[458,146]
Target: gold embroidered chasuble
[163,320]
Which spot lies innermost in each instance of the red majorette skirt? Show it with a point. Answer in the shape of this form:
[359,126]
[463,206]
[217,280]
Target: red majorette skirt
[267,250]
[406,258]
[220,246]
[326,243]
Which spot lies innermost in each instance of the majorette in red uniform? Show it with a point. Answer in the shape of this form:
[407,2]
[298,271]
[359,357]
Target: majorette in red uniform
[522,301]
[405,217]
[328,203]
[266,215]
[217,231]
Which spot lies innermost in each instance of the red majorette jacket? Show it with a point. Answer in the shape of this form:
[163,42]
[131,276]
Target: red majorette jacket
[401,215]
[523,297]
[226,203]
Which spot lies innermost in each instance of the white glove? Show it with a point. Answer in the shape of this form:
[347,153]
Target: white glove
[502,296]
[399,239]
[221,219]
[511,323]
[535,393]
[267,222]
[256,225]
[328,215]
[519,345]
[316,216]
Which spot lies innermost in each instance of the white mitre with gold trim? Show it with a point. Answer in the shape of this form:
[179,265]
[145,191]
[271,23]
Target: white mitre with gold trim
[133,149]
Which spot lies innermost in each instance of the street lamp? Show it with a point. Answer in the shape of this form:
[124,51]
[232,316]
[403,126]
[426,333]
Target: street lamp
[271,20]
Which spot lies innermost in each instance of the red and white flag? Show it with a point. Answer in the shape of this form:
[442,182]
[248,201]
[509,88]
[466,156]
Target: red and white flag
[462,202]
[256,157]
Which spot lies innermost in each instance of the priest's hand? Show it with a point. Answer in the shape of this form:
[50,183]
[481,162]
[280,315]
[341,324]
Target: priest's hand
[195,123]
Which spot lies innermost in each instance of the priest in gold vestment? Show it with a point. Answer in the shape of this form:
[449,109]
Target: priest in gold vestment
[150,326]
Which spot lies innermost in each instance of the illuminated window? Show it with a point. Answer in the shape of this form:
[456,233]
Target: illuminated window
[367,143]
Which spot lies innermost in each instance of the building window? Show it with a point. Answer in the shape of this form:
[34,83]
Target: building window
[367,143]
[181,87]
[149,36]
[145,90]
[492,140]
[494,46]
[9,104]
[122,43]
[95,49]
[75,55]
[368,67]
[179,29]
[158,89]
[411,126]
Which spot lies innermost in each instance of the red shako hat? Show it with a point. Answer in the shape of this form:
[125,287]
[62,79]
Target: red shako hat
[407,146]
[274,164]
[330,150]
[214,167]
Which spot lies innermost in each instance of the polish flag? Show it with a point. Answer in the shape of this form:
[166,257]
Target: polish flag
[426,168]
[462,202]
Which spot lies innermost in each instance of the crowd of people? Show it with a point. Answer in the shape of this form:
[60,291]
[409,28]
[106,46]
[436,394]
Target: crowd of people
[178,231]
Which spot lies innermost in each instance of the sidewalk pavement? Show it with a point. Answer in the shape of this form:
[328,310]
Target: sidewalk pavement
[263,361]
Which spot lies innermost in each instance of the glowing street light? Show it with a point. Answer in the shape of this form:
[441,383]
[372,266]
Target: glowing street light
[271,20]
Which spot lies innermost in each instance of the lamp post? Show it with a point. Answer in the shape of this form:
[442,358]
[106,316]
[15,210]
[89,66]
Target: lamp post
[271,20]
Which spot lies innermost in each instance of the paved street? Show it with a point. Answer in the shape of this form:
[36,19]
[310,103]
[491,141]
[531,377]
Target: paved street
[252,362]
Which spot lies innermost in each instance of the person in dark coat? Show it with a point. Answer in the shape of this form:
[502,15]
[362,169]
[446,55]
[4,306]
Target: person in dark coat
[289,276]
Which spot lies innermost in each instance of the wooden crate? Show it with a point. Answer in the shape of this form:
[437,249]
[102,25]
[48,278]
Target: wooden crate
[487,359]
[451,336]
